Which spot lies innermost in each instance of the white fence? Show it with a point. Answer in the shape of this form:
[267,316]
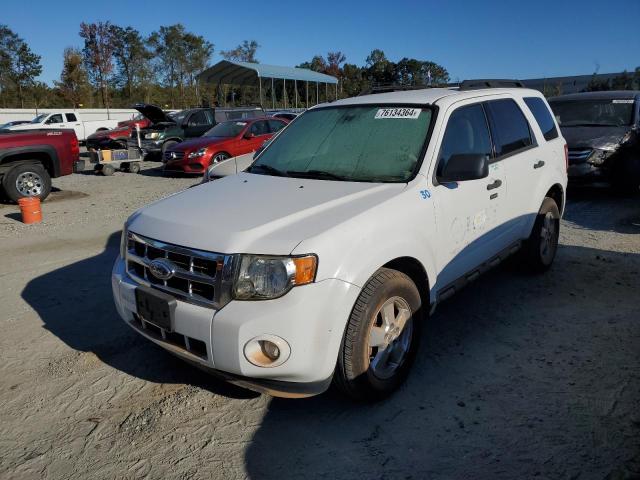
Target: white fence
[11,114]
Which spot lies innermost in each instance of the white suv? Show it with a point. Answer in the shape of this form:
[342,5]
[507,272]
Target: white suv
[322,260]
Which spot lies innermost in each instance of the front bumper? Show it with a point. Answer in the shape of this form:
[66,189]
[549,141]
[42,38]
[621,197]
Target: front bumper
[185,165]
[311,319]
[147,146]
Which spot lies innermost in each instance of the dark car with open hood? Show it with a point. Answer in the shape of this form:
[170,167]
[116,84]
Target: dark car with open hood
[602,130]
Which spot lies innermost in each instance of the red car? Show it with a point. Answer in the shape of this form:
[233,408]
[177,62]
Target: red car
[225,140]
[117,137]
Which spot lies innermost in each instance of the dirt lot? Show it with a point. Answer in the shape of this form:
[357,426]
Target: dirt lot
[518,376]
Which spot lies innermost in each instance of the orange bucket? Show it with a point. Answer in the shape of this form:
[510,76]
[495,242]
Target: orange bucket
[30,209]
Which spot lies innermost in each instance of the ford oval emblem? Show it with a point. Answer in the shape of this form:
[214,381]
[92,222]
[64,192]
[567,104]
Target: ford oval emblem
[162,269]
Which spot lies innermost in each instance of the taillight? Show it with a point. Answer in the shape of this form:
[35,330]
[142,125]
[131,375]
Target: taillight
[566,156]
[75,147]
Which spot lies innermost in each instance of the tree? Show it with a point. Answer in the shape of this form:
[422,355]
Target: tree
[74,82]
[245,52]
[19,66]
[132,58]
[99,46]
[379,69]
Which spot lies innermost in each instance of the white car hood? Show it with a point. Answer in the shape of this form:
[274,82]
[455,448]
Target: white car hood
[249,213]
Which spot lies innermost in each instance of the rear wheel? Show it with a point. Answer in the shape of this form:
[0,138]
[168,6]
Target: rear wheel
[539,250]
[26,180]
[381,338]
[134,167]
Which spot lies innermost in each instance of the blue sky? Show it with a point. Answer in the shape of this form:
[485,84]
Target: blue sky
[472,39]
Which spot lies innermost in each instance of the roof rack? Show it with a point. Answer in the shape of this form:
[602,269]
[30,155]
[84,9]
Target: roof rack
[490,83]
[392,87]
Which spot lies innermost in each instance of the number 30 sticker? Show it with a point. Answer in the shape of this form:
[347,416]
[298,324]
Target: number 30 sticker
[425,194]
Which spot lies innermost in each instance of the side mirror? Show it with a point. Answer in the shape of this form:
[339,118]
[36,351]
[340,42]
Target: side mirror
[249,135]
[464,166]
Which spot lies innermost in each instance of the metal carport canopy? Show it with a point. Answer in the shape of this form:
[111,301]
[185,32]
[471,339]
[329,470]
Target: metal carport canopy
[244,73]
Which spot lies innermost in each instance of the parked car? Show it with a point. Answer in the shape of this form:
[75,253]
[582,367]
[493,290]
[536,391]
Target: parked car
[167,130]
[322,260]
[118,137]
[66,119]
[29,159]
[284,114]
[13,123]
[225,140]
[602,130]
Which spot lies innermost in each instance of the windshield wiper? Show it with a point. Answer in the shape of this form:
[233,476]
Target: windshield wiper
[268,169]
[319,174]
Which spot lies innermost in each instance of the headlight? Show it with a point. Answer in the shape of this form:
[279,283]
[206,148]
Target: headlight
[198,153]
[262,277]
[152,135]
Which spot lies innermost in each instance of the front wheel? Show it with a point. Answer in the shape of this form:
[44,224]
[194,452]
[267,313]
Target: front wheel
[539,250]
[26,180]
[381,338]
[219,157]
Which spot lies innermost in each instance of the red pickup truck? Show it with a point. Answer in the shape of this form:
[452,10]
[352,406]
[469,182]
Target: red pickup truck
[30,158]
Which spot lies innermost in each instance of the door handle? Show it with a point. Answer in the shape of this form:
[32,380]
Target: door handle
[495,184]
[538,164]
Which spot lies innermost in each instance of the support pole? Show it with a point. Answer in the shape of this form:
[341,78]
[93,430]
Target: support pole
[317,95]
[326,92]
[284,91]
[336,91]
[273,99]
[260,89]
[295,86]
[306,103]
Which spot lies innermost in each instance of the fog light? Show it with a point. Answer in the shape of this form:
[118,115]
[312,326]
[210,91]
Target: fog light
[270,349]
[267,351]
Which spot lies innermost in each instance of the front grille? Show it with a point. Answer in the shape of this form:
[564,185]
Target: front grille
[198,277]
[579,155]
[172,156]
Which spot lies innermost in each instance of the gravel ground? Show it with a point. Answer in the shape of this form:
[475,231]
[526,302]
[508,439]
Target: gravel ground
[518,376]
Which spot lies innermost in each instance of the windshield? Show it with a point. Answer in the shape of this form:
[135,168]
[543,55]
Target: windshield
[40,118]
[354,143]
[606,113]
[226,129]
[178,117]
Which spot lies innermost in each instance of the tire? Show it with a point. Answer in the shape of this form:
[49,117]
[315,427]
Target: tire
[368,372]
[26,180]
[166,146]
[539,250]
[134,167]
[107,170]
[219,157]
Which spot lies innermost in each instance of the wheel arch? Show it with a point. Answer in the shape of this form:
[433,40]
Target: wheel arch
[556,192]
[414,269]
[39,155]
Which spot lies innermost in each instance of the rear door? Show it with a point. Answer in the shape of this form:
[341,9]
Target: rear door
[517,150]
[73,122]
[469,214]
[260,130]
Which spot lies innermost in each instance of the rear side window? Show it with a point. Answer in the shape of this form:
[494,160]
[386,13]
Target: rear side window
[467,133]
[543,117]
[71,117]
[509,126]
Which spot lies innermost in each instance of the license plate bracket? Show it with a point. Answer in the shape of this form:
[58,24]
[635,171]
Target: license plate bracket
[156,307]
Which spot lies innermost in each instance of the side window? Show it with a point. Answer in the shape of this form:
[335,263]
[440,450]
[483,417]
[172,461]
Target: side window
[509,126]
[57,118]
[275,125]
[198,118]
[543,117]
[260,128]
[467,133]
[71,117]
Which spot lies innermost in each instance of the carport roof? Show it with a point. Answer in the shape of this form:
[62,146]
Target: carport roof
[244,73]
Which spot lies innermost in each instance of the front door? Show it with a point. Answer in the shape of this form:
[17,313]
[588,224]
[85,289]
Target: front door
[469,214]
